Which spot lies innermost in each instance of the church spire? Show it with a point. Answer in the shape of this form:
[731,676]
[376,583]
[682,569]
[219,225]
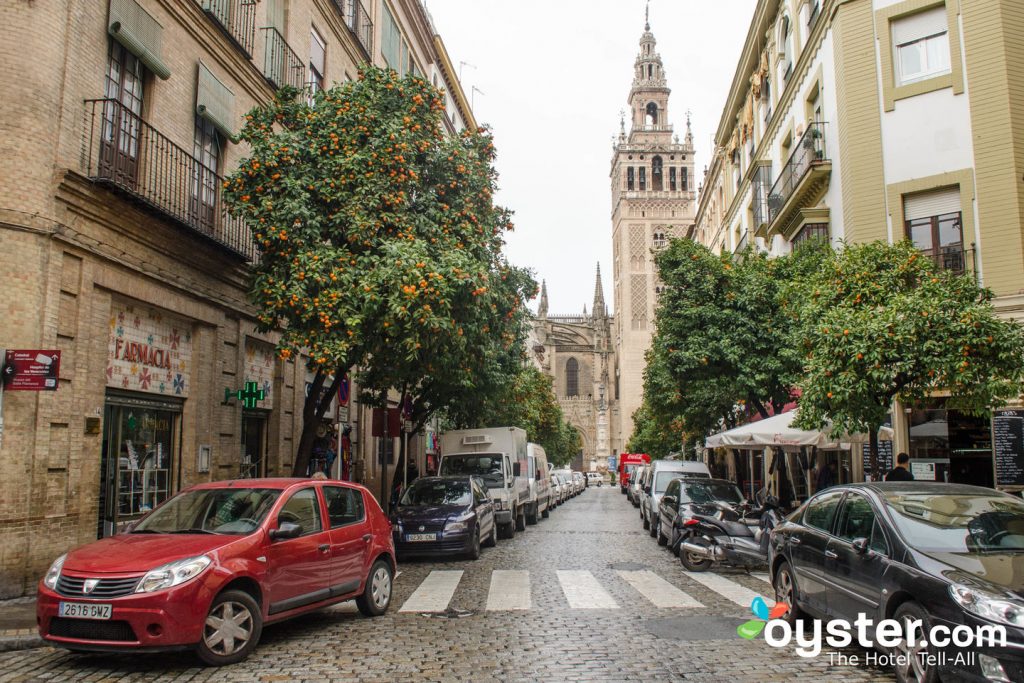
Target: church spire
[599,308]
[648,98]
[542,308]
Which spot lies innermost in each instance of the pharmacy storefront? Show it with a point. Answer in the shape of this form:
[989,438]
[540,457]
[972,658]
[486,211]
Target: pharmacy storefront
[149,361]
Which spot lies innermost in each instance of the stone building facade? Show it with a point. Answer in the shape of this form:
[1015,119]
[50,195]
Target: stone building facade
[117,252]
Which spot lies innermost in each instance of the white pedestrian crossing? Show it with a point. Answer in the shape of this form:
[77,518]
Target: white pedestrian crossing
[727,588]
[583,591]
[762,576]
[434,594]
[510,590]
[660,592]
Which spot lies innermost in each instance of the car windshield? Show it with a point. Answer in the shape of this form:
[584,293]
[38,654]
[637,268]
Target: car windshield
[662,479]
[427,492]
[487,466]
[704,492]
[233,511]
[959,523]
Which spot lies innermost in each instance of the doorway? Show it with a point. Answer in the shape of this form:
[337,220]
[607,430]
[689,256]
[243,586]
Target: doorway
[254,445]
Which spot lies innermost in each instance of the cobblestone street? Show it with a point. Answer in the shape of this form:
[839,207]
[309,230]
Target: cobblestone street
[591,551]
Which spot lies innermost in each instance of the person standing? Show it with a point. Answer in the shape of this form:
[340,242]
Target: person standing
[826,476]
[902,470]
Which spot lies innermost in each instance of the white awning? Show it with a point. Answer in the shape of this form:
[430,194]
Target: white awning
[779,431]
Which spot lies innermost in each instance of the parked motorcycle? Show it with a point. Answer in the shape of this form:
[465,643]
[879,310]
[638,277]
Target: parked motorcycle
[731,537]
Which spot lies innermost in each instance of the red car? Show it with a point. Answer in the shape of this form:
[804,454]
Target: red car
[212,565]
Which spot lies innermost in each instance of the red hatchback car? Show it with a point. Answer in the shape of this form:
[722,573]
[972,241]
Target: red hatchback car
[212,565]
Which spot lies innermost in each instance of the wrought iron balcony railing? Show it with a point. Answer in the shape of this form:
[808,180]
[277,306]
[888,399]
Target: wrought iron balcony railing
[237,18]
[810,150]
[281,66]
[124,152]
[954,258]
[358,21]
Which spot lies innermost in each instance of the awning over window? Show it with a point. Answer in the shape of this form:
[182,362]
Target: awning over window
[139,32]
[214,102]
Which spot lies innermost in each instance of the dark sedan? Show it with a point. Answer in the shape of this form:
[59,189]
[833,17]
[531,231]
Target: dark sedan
[444,516]
[942,554]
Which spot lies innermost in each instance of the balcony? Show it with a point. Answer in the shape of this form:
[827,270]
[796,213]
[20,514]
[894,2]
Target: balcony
[803,180]
[236,18]
[759,186]
[281,66]
[954,258]
[128,155]
[358,21]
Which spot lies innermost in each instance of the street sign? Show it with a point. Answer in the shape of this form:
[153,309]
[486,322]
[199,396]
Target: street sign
[31,369]
[249,396]
[342,414]
[343,391]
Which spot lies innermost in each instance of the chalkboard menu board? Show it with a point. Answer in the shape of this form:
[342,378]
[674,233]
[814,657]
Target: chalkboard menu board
[885,459]
[1008,444]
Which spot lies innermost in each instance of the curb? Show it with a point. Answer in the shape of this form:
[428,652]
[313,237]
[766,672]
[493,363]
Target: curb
[28,641]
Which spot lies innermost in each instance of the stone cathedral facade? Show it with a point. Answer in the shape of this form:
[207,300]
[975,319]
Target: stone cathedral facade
[596,359]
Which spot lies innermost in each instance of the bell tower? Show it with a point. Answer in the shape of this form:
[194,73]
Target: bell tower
[653,200]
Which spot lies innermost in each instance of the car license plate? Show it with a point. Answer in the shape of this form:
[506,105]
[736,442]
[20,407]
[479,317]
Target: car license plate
[421,537]
[84,610]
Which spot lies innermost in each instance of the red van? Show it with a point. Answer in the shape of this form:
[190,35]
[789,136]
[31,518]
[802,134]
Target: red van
[628,462]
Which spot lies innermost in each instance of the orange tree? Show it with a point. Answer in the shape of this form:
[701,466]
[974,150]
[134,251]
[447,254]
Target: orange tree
[374,227]
[877,322]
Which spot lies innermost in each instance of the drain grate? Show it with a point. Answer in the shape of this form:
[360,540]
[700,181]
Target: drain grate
[693,628]
[449,613]
[628,566]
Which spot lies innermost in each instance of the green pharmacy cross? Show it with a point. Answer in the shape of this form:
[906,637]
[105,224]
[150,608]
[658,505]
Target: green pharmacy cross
[249,396]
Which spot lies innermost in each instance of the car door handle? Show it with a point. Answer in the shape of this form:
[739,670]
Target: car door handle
[831,554]
[795,541]
[324,547]
[367,537]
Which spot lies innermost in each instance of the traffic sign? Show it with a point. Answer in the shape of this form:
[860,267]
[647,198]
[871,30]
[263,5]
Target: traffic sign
[343,391]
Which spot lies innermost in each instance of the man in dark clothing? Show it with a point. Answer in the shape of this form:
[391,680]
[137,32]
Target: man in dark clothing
[902,470]
[826,476]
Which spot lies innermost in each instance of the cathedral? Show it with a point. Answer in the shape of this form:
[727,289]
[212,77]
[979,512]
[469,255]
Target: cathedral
[597,359]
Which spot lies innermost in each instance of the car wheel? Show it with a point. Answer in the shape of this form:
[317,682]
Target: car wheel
[547,512]
[231,630]
[653,526]
[912,663]
[662,538]
[531,517]
[474,548]
[694,563]
[521,521]
[376,595]
[673,542]
[492,540]
[647,525]
[786,591]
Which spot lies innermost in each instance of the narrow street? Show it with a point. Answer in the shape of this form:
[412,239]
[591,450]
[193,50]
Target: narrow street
[585,595]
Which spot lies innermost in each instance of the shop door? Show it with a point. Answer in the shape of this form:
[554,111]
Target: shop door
[254,445]
[139,456]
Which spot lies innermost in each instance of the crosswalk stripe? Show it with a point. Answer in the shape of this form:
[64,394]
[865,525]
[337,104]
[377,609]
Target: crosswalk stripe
[583,591]
[510,590]
[762,576]
[660,592]
[727,588]
[434,594]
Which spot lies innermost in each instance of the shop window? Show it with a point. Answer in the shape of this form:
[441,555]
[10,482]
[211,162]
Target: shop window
[949,445]
[921,43]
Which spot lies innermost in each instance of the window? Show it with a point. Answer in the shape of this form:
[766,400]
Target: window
[344,506]
[630,178]
[122,116]
[812,18]
[317,60]
[822,510]
[856,519]
[302,509]
[656,173]
[811,231]
[652,114]
[672,179]
[921,44]
[572,377]
[786,42]
[643,178]
[933,222]
[684,184]
[390,39]
[877,541]
[206,150]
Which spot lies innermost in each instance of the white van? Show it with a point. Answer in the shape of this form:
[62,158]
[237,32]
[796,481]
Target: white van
[538,476]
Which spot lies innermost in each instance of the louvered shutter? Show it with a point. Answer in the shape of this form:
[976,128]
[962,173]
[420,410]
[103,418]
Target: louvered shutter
[215,102]
[139,32]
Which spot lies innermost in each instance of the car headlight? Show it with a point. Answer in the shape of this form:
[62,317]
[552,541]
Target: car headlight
[456,525]
[53,573]
[173,574]
[987,606]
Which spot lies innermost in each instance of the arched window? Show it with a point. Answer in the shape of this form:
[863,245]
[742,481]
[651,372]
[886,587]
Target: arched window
[630,178]
[656,174]
[572,377]
[652,114]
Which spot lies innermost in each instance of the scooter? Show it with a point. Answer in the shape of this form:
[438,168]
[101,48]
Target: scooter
[729,537]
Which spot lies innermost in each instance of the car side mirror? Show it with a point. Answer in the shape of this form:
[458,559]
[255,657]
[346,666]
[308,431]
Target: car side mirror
[517,469]
[860,545]
[286,530]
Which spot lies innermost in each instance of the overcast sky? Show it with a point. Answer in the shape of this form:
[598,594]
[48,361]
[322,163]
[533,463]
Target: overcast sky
[551,78]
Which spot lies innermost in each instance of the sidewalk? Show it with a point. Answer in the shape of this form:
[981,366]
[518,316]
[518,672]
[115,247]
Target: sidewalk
[18,625]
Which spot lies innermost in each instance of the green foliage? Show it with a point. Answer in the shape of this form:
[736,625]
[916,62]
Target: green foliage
[654,435]
[878,322]
[527,400]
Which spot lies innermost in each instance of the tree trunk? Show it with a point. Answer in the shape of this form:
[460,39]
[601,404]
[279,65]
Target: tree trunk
[313,411]
[759,407]
[873,448]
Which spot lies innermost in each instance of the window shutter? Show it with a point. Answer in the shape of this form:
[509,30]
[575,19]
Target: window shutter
[214,102]
[317,49]
[931,203]
[921,25]
[275,14]
[139,32]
